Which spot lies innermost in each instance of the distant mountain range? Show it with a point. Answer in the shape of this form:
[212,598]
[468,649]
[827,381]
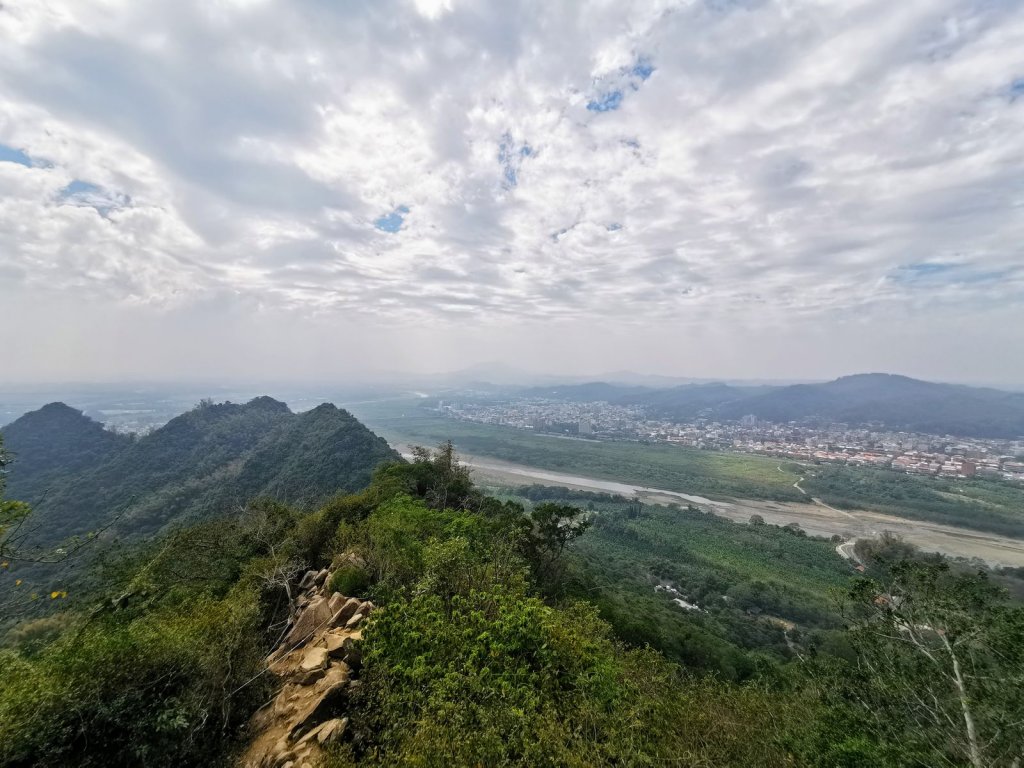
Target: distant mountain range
[80,477]
[898,402]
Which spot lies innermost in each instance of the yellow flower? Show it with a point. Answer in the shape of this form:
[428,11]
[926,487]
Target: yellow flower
[5,565]
[17,582]
[54,595]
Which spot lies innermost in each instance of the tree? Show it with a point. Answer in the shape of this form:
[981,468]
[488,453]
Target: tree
[549,529]
[940,665]
[440,479]
[12,513]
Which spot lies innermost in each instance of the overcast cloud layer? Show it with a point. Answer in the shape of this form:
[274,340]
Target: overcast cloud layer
[730,188]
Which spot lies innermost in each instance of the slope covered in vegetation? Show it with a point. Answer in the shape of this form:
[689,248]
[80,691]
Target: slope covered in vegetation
[479,653]
[203,464]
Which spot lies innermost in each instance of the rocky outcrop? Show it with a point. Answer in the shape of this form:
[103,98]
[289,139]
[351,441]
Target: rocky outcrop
[317,665]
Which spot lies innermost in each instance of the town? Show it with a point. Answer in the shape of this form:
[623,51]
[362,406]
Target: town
[908,452]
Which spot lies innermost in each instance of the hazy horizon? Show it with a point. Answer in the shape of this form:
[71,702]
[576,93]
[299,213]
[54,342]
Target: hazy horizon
[498,375]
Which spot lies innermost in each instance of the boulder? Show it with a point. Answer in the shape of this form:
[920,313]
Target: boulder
[336,602]
[332,730]
[334,642]
[347,611]
[313,658]
[337,673]
[327,732]
[366,608]
[313,616]
[321,577]
[312,666]
[354,621]
[308,580]
[326,693]
[284,704]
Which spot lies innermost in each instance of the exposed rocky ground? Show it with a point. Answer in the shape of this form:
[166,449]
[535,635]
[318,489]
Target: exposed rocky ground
[317,664]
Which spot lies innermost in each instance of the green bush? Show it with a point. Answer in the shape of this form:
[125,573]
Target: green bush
[350,581]
[495,677]
[156,690]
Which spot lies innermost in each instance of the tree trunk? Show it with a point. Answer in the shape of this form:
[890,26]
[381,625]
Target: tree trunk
[965,707]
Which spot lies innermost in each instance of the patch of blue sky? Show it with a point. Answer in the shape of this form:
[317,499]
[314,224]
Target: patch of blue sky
[14,155]
[606,103]
[613,227]
[642,69]
[79,188]
[392,222]
[510,157]
[1016,89]
[85,194]
[626,79]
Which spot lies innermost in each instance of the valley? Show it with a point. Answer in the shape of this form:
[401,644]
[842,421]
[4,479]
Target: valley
[815,519]
[734,486]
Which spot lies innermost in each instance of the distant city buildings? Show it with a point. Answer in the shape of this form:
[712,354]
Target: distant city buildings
[908,452]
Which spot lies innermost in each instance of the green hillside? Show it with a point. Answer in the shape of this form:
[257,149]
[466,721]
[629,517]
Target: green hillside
[206,463]
[494,633]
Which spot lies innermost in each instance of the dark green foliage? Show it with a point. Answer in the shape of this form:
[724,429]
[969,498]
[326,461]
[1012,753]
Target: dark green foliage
[11,512]
[53,442]
[472,658]
[203,461]
[164,668]
[207,463]
[940,668]
[749,582]
[350,580]
[464,667]
[155,690]
[548,530]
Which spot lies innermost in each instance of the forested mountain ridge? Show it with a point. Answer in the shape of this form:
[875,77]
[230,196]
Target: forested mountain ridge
[203,464]
[898,402]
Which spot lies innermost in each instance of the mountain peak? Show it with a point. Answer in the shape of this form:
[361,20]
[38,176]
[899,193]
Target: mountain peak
[55,436]
[267,403]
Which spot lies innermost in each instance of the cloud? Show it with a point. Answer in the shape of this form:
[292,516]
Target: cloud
[671,163]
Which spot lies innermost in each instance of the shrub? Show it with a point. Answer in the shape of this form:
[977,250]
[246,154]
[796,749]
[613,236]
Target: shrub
[163,689]
[350,580]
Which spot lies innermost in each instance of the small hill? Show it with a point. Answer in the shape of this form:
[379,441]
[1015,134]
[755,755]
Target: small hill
[691,401]
[201,464]
[898,402]
[54,440]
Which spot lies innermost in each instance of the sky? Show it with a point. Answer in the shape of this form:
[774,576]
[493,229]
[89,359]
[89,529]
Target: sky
[331,190]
